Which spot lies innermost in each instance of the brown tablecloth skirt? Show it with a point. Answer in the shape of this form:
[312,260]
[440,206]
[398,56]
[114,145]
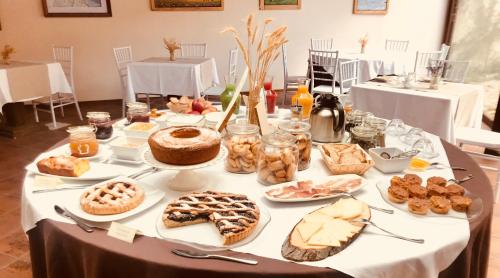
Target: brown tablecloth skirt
[64,250]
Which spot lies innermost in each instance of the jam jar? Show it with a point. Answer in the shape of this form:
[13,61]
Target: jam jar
[242,142]
[303,140]
[278,158]
[137,112]
[379,125]
[102,123]
[365,136]
[83,141]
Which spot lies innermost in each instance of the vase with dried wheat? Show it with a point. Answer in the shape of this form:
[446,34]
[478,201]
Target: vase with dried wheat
[258,56]
[6,53]
[171,45]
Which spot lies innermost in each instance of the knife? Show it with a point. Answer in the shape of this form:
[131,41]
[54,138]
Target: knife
[65,213]
[198,255]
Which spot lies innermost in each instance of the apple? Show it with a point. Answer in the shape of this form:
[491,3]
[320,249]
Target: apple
[197,105]
[193,112]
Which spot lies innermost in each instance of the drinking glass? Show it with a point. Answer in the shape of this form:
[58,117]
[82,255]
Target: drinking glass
[412,136]
[426,148]
[396,127]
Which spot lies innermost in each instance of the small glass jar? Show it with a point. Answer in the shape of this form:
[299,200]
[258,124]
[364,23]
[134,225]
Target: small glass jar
[379,125]
[82,141]
[278,158]
[102,123]
[137,112]
[365,136]
[301,131]
[356,118]
[242,142]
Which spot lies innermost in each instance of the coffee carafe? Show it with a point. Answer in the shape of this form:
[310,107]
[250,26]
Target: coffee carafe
[327,120]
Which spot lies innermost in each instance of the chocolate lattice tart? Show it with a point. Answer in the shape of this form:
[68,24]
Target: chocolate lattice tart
[111,198]
[234,215]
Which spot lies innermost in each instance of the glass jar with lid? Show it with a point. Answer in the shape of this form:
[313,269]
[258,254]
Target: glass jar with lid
[378,124]
[242,142]
[83,141]
[301,131]
[365,136]
[278,158]
[102,123]
[356,118]
[137,112]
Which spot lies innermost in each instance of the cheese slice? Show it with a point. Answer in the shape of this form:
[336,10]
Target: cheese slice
[341,229]
[334,210]
[351,209]
[317,217]
[323,238]
[306,230]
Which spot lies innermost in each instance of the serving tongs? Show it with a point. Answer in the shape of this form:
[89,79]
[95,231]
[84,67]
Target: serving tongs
[391,234]
[411,153]
[149,170]
[199,255]
[460,181]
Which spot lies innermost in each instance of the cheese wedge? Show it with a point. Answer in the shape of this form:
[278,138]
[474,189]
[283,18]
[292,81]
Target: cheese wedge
[324,238]
[334,210]
[351,209]
[317,217]
[308,229]
[341,229]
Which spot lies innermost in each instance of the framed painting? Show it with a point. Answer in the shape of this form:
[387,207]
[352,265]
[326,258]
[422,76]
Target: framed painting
[280,4]
[370,6]
[187,5]
[77,8]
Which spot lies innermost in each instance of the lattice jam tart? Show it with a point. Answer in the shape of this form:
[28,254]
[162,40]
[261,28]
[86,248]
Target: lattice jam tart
[234,215]
[111,198]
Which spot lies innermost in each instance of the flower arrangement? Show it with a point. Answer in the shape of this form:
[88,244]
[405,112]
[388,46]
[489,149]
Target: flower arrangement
[265,50]
[435,69]
[363,41]
[171,45]
[6,53]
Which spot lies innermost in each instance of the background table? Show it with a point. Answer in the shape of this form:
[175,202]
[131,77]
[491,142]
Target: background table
[63,250]
[435,111]
[182,77]
[372,64]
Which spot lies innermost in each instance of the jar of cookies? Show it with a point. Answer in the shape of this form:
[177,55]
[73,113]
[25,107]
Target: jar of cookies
[82,141]
[137,112]
[102,123]
[242,142]
[278,158]
[303,140]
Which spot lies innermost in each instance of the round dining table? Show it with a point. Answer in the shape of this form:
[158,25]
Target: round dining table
[64,250]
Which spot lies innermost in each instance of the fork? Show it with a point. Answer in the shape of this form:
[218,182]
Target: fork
[369,222]
[389,211]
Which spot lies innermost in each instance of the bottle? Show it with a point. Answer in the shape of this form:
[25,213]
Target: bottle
[270,97]
[304,99]
[227,95]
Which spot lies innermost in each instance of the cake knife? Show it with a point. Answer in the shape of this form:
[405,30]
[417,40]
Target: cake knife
[198,255]
[66,214]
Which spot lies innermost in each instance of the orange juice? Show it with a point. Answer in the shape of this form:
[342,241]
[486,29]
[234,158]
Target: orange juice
[305,99]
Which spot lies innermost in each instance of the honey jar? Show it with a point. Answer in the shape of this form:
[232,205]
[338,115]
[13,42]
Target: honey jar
[82,141]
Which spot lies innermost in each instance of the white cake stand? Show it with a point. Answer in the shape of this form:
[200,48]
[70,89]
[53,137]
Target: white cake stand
[186,178]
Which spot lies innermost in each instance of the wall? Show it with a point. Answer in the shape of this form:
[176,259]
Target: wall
[133,23]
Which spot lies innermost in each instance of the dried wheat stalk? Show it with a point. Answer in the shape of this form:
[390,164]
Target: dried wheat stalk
[7,52]
[266,51]
[171,45]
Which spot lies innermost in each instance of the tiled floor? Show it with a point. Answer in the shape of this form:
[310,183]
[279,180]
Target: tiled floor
[15,154]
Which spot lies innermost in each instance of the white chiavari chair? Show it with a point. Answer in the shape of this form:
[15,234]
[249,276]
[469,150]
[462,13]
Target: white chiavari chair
[194,50]
[348,75]
[396,45]
[323,67]
[422,61]
[232,74]
[322,44]
[290,81]
[64,56]
[455,71]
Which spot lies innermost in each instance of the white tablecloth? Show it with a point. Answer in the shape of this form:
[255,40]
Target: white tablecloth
[57,80]
[372,64]
[372,255]
[184,76]
[435,111]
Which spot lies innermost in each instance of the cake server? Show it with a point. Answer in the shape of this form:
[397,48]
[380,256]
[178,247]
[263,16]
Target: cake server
[78,222]
[198,255]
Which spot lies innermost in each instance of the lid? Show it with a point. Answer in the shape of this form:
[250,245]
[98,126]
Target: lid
[215,117]
[295,127]
[363,131]
[279,139]
[136,105]
[80,129]
[242,129]
[377,123]
[98,115]
[268,86]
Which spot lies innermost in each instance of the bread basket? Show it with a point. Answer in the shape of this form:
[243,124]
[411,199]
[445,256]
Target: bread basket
[340,169]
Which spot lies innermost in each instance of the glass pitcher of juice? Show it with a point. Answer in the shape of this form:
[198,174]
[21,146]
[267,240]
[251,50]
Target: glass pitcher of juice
[270,97]
[304,99]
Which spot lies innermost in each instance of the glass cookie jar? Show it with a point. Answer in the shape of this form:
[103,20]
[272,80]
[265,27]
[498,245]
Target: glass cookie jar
[102,123]
[278,158]
[82,141]
[242,142]
[364,136]
[303,140]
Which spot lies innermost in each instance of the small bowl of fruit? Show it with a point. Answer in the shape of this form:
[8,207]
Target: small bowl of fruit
[185,105]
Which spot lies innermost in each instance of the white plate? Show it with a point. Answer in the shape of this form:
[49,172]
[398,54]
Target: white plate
[120,124]
[97,171]
[475,209]
[103,152]
[316,181]
[116,159]
[151,197]
[149,159]
[205,236]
